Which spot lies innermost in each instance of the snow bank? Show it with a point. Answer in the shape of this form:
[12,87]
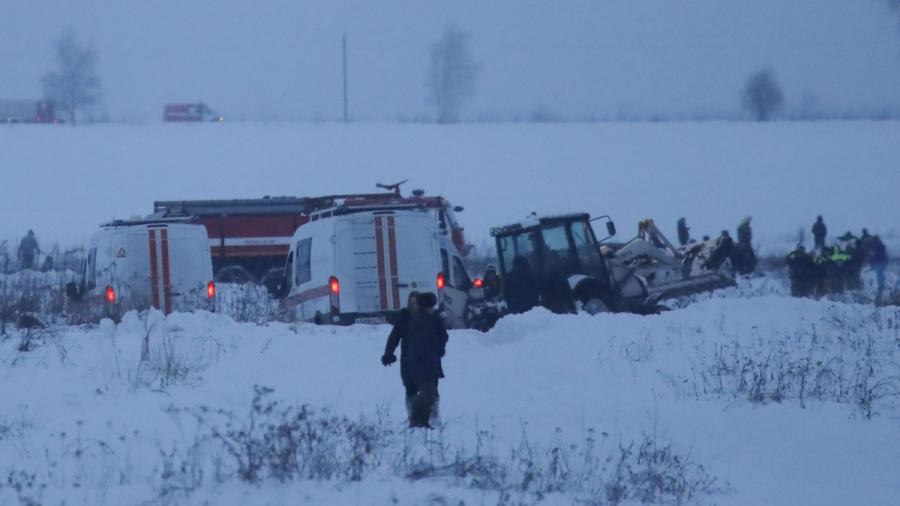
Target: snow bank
[83,416]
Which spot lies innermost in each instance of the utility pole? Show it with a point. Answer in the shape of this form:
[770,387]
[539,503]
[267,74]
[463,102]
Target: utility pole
[344,73]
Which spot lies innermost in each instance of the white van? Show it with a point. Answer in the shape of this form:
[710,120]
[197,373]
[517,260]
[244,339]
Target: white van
[144,264]
[360,267]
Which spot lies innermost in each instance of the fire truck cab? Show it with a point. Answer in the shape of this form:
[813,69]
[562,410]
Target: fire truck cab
[359,266]
[142,264]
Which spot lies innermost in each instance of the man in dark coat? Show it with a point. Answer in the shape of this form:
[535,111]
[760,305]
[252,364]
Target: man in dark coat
[745,233]
[803,272]
[819,233]
[878,259]
[424,340]
[724,250]
[427,344]
[398,337]
[28,250]
[684,235]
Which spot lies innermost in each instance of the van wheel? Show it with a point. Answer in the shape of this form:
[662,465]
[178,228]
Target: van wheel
[233,274]
[317,319]
[595,305]
[272,279]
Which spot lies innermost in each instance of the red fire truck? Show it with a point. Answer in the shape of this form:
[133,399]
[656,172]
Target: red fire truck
[27,111]
[250,238]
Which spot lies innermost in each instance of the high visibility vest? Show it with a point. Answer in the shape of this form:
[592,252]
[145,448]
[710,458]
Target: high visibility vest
[838,255]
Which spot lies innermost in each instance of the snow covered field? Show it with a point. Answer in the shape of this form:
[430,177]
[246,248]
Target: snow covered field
[780,400]
[743,396]
[64,181]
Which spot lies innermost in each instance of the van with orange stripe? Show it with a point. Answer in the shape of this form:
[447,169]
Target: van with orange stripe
[163,264]
[355,266]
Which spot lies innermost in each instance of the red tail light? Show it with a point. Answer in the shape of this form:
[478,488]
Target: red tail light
[440,281]
[334,285]
[478,283]
[110,295]
[211,289]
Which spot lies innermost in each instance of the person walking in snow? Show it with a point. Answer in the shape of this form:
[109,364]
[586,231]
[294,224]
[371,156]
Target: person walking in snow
[28,251]
[398,338]
[820,231]
[422,338]
[427,345]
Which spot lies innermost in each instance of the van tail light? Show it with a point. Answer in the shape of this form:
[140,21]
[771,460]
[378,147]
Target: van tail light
[110,295]
[440,281]
[478,283]
[211,289]
[334,288]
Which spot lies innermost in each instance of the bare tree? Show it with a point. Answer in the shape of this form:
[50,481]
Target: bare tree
[762,95]
[451,74]
[75,84]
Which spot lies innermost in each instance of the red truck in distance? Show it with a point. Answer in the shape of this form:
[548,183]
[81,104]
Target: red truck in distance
[191,113]
[27,111]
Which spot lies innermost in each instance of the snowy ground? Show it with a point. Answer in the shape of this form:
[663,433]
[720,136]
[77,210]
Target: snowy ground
[780,400]
[64,181]
[743,396]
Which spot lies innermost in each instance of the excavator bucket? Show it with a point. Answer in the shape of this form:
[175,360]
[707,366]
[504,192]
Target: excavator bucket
[661,271]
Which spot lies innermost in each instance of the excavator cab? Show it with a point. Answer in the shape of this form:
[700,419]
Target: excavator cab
[553,261]
[559,244]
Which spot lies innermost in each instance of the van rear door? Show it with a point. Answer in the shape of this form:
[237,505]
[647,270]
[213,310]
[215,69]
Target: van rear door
[190,268]
[393,254]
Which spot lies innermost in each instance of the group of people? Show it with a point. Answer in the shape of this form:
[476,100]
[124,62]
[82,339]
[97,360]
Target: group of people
[420,334]
[743,258]
[836,267]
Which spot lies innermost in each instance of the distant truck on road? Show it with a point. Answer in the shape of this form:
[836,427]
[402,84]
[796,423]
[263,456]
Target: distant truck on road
[198,112]
[27,111]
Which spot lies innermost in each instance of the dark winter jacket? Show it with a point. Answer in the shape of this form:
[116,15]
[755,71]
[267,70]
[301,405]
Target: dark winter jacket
[396,338]
[426,343]
[724,250]
[29,246]
[819,231]
[802,266]
[684,235]
[522,289]
[877,252]
[745,233]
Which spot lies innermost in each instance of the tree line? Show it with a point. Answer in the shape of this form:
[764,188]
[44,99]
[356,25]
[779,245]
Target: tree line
[451,78]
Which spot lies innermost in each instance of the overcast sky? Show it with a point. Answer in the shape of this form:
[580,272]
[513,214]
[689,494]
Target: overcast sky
[281,59]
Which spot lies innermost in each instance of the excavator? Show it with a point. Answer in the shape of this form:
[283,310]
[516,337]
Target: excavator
[558,262]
